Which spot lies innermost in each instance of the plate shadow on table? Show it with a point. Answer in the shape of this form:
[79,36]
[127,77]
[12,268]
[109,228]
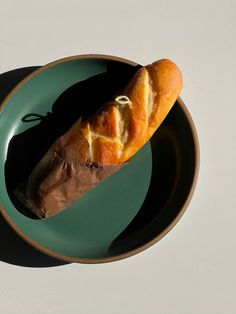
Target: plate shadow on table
[13,249]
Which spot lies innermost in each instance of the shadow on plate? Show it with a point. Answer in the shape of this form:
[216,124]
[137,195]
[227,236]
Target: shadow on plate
[64,113]
[173,169]
[13,249]
[28,151]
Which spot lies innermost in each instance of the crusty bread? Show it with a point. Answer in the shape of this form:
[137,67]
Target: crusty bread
[122,127]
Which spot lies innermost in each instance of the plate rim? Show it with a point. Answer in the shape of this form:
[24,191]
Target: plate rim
[141,248]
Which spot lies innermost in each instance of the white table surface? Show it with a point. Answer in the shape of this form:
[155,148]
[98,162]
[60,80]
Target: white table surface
[193,269]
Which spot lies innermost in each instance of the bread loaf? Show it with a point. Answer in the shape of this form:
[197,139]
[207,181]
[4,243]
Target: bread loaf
[91,151]
[115,133]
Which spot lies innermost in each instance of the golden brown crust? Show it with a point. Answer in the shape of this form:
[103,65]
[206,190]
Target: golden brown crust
[104,151]
[105,123]
[156,89]
[118,131]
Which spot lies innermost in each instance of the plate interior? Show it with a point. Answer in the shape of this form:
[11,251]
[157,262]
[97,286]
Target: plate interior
[131,207]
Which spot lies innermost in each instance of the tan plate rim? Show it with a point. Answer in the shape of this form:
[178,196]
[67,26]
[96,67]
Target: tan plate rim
[59,256]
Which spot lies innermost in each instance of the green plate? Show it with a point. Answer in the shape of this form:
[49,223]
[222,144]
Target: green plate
[128,212]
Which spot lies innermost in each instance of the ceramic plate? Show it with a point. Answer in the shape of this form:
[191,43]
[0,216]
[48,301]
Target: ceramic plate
[128,212]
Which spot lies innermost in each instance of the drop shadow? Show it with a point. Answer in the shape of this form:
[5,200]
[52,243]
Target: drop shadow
[163,179]
[80,100]
[173,162]
[13,249]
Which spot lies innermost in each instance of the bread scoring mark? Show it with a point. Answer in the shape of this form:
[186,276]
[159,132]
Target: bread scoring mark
[119,126]
[95,135]
[147,100]
[125,120]
[89,139]
[152,94]
[123,106]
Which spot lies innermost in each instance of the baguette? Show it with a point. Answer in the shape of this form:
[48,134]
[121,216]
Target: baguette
[123,126]
[91,151]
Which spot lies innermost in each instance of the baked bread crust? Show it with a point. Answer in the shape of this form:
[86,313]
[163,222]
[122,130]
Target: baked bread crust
[115,133]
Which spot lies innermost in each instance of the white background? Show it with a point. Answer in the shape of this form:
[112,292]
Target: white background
[193,269]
